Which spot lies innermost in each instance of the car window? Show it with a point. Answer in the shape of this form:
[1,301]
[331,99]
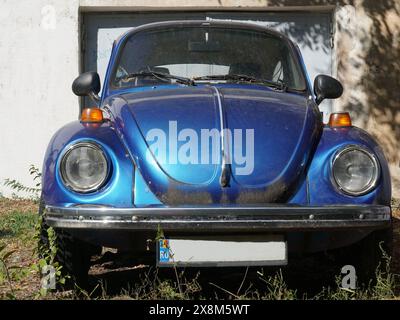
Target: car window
[202,51]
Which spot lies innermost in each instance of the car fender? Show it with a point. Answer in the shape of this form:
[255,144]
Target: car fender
[117,191]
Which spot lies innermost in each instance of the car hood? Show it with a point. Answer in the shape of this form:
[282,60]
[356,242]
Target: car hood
[268,137]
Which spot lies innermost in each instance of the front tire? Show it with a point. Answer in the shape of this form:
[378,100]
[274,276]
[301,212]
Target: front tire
[74,257]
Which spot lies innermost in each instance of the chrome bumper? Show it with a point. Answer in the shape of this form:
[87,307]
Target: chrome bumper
[221,218]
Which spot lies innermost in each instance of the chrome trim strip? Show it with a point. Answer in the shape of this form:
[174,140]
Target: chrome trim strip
[220,218]
[225,150]
[194,227]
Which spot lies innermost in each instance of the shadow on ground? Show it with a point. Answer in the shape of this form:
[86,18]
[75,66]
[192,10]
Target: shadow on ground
[115,272]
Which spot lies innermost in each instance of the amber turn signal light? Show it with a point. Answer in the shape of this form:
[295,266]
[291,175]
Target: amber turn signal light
[93,115]
[340,119]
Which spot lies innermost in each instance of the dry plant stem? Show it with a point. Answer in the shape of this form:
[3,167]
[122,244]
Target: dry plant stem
[228,292]
[8,278]
[178,282]
[244,278]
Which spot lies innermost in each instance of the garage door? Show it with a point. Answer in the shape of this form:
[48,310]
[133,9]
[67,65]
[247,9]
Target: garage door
[311,31]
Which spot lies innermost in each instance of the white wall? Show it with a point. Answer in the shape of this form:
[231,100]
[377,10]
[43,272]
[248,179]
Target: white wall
[38,62]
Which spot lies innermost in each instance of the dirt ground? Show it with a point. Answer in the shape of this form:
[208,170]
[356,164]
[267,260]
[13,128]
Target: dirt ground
[115,275]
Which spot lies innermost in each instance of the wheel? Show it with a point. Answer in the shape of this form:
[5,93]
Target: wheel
[71,253]
[370,255]
[74,257]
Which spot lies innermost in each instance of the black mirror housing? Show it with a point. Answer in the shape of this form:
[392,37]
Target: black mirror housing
[326,87]
[87,84]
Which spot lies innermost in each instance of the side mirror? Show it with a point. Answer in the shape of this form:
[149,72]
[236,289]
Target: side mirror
[87,84]
[326,87]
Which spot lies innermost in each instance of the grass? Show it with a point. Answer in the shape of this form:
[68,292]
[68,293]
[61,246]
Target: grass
[19,279]
[17,231]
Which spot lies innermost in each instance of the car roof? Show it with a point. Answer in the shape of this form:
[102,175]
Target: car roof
[201,23]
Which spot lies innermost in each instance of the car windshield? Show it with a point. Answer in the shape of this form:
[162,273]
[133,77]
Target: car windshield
[206,54]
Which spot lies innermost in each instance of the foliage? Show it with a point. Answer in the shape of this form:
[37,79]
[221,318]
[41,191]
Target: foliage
[152,287]
[5,268]
[383,287]
[16,230]
[276,288]
[47,254]
[17,224]
[19,187]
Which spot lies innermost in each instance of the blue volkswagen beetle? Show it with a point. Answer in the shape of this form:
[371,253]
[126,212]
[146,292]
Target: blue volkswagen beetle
[206,147]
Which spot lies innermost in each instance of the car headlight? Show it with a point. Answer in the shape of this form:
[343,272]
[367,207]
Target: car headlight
[355,170]
[84,167]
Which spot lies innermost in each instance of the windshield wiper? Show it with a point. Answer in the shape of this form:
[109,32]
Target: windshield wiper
[245,78]
[159,75]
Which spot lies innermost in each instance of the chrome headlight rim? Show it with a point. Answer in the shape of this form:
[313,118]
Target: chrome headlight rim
[62,167]
[372,185]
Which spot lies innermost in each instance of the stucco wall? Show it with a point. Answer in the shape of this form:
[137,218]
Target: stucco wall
[39,58]
[38,61]
[368,64]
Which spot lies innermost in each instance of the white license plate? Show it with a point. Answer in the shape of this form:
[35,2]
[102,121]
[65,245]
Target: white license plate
[182,252]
